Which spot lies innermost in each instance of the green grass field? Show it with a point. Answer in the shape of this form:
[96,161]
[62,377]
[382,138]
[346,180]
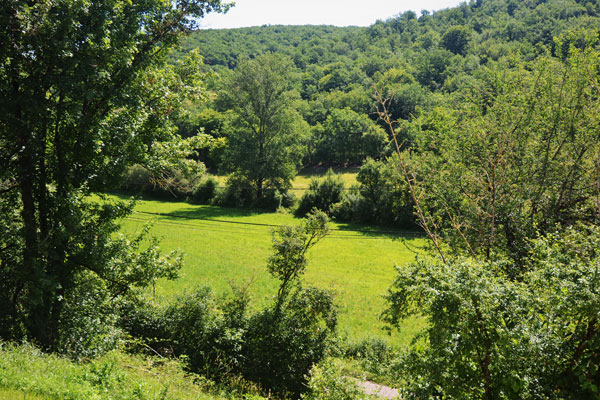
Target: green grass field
[225,247]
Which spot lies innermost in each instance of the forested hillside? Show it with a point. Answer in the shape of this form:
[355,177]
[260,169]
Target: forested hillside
[474,129]
[420,62]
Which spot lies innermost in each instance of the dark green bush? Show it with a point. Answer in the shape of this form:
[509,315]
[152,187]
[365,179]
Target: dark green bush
[384,196]
[171,185]
[137,180]
[241,193]
[375,355]
[206,332]
[322,194]
[281,348]
[205,191]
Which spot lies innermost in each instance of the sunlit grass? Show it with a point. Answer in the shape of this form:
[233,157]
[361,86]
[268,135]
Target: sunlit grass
[225,247]
[26,373]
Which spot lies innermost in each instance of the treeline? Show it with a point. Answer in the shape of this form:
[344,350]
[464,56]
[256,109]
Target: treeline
[322,84]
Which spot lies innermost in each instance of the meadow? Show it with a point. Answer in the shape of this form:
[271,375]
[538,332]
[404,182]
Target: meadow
[229,247]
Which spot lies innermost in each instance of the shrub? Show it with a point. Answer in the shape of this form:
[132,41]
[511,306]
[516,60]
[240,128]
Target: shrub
[327,382]
[322,194]
[137,180]
[384,197]
[489,336]
[374,355]
[241,193]
[207,333]
[171,185]
[281,347]
[205,191]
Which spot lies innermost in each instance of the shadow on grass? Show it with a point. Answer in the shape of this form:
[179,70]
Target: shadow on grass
[207,212]
[213,212]
[379,231]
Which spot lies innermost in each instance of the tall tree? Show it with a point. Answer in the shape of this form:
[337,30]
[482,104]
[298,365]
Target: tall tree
[265,145]
[81,97]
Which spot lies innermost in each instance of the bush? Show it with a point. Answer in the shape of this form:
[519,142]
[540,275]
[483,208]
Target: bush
[327,382]
[205,191]
[281,348]
[384,196]
[137,180]
[374,355]
[172,185]
[275,347]
[208,334]
[322,194]
[489,336]
[88,327]
[241,193]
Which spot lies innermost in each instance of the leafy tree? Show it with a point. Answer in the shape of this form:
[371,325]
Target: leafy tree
[348,137]
[82,97]
[456,39]
[491,337]
[284,342]
[266,143]
[322,194]
[514,221]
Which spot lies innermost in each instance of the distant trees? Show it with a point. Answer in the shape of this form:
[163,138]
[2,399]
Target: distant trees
[267,139]
[456,39]
[348,137]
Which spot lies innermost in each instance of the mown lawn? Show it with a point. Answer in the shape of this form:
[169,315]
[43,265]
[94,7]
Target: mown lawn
[225,247]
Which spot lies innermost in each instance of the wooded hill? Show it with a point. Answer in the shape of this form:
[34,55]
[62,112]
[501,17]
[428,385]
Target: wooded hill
[420,59]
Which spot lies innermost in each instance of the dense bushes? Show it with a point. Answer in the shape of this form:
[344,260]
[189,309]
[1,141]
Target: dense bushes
[384,197]
[492,337]
[172,185]
[275,347]
[381,197]
[322,194]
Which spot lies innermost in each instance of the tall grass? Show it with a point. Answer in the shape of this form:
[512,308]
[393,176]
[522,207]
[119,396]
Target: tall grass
[26,373]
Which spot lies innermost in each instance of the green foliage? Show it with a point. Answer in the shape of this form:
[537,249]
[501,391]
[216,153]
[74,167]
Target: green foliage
[114,376]
[265,145]
[492,337]
[234,251]
[275,347]
[327,382]
[322,194]
[205,191]
[290,245]
[515,159]
[347,137]
[282,345]
[139,180]
[240,192]
[456,39]
[381,198]
[375,355]
[508,198]
[83,96]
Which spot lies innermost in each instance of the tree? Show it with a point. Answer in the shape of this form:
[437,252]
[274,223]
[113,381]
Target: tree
[508,190]
[348,137]
[266,143]
[456,39]
[81,98]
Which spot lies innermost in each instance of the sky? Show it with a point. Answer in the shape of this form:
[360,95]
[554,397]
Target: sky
[317,12]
